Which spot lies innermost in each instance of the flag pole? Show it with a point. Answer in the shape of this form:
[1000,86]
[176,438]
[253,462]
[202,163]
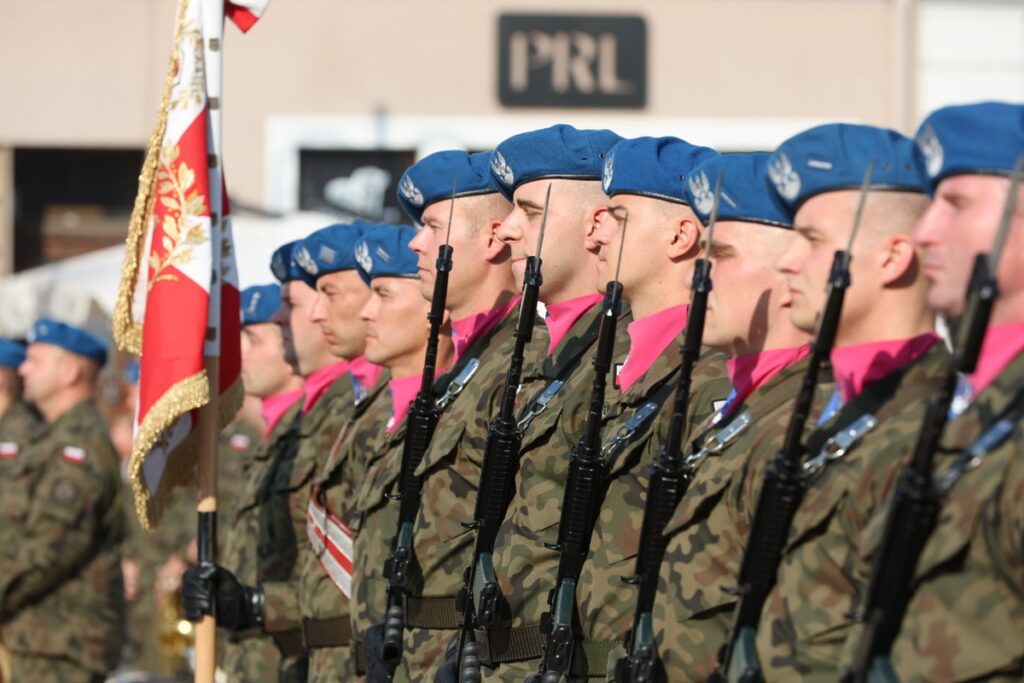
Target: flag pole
[206,476]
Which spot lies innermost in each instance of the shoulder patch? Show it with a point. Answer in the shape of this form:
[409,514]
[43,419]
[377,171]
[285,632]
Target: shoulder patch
[8,450]
[74,454]
[239,442]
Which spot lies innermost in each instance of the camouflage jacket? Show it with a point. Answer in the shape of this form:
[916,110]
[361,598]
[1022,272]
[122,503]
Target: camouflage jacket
[525,567]
[284,504]
[60,584]
[807,615]
[373,525]
[17,424]
[965,619]
[256,659]
[334,490]
[707,535]
[606,602]
[450,469]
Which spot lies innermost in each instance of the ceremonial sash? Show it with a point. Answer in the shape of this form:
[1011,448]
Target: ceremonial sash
[332,542]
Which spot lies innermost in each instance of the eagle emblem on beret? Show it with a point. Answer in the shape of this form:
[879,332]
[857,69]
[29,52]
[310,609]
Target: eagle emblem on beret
[410,191]
[784,176]
[305,261]
[609,172]
[363,258]
[931,149]
[501,169]
[703,197]
[253,303]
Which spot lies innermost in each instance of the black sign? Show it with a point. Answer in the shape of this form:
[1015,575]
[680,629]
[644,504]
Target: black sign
[572,61]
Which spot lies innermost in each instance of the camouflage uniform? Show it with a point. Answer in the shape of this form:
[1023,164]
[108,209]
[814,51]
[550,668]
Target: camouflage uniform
[606,603]
[450,469]
[965,619]
[17,424]
[525,567]
[707,534]
[282,522]
[806,617]
[62,610]
[325,609]
[254,658]
[373,526]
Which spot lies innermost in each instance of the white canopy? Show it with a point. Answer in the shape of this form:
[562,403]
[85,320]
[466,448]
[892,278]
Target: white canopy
[82,290]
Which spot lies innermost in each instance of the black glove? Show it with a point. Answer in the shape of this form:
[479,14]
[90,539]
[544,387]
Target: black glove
[238,607]
[377,670]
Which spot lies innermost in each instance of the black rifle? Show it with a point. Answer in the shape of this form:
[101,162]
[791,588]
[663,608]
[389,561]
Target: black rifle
[584,490]
[669,479]
[422,418]
[784,482]
[480,598]
[914,508]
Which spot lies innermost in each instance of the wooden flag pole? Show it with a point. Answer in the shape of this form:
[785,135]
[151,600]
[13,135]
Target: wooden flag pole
[209,423]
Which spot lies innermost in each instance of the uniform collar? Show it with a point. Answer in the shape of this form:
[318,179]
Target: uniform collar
[318,381]
[858,365]
[753,370]
[466,331]
[403,390]
[272,408]
[562,316]
[364,373]
[1002,344]
[648,338]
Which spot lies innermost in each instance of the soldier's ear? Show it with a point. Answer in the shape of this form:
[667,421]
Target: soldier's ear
[495,250]
[897,260]
[594,217]
[684,238]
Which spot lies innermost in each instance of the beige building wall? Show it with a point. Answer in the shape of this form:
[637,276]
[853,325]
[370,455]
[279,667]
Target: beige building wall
[409,74]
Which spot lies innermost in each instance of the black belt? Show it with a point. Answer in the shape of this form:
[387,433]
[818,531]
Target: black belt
[431,613]
[289,642]
[523,643]
[333,632]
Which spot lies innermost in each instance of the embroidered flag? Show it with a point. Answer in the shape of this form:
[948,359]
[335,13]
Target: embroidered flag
[178,300]
[8,449]
[331,540]
[74,454]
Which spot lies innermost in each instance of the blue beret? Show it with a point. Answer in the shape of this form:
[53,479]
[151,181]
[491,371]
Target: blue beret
[73,339]
[431,180]
[260,303]
[980,139]
[132,372]
[652,167]
[327,250]
[283,265]
[557,152]
[746,193]
[383,251]
[11,353]
[835,156]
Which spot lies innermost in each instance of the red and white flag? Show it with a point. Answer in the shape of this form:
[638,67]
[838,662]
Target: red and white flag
[179,299]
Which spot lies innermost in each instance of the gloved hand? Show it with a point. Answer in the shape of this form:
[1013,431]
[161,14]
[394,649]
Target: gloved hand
[238,607]
[377,670]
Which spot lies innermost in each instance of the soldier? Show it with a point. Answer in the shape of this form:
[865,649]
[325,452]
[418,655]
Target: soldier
[17,419]
[481,302]
[644,179]
[746,319]
[328,258]
[887,360]
[966,614]
[267,376]
[61,591]
[395,341]
[571,161]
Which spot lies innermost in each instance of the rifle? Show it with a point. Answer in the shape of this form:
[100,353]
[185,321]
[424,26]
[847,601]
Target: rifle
[480,597]
[581,502]
[914,508]
[422,418]
[669,478]
[784,482]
